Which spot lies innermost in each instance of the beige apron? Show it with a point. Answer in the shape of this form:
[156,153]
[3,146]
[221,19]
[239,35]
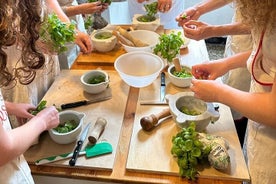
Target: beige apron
[260,140]
[238,78]
[16,171]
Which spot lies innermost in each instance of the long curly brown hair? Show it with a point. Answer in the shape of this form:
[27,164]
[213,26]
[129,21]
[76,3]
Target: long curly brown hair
[19,24]
[259,14]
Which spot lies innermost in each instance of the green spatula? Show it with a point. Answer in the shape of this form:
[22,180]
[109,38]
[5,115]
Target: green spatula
[90,151]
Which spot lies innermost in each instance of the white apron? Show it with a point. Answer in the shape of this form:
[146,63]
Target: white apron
[260,140]
[16,171]
[238,78]
[167,19]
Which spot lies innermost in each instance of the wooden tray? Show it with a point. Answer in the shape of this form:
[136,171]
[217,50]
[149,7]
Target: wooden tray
[67,88]
[150,151]
[99,57]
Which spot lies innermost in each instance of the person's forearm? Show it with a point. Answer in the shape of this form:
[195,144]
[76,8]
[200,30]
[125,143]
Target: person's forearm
[256,106]
[230,29]
[54,5]
[72,10]
[209,5]
[237,61]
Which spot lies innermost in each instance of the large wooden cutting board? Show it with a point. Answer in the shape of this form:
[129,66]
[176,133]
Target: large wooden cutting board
[67,88]
[150,151]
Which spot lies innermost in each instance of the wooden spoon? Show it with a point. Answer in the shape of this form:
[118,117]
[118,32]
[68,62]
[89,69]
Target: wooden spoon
[177,65]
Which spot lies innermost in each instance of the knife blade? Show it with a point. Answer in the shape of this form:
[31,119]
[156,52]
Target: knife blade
[162,87]
[83,102]
[77,149]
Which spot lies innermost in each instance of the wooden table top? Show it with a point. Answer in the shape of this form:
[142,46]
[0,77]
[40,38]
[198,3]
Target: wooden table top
[195,53]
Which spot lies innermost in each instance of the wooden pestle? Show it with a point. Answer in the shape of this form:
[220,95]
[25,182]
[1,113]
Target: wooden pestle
[122,39]
[97,130]
[149,122]
[177,65]
[136,42]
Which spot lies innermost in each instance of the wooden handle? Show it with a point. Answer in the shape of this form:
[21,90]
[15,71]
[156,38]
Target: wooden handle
[177,65]
[148,122]
[122,39]
[124,33]
[97,130]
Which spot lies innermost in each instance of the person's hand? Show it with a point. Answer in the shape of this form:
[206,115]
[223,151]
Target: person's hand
[20,110]
[95,7]
[209,70]
[206,90]
[84,42]
[189,14]
[164,5]
[49,116]
[197,30]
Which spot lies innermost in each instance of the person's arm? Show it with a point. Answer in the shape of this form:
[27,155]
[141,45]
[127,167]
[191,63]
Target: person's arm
[209,5]
[194,12]
[85,8]
[199,30]
[16,141]
[55,7]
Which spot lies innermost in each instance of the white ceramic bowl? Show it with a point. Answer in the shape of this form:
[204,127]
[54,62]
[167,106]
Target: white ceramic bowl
[94,88]
[149,37]
[206,111]
[138,69]
[151,26]
[178,81]
[103,40]
[69,137]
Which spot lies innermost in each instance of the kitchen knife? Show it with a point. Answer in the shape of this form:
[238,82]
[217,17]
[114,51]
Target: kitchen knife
[83,102]
[162,87]
[77,150]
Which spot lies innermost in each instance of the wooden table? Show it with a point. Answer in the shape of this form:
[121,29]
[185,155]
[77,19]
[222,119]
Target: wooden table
[195,53]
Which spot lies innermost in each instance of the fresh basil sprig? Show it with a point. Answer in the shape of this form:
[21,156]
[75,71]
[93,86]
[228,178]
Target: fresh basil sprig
[55,33]
[189,151]
[169,45]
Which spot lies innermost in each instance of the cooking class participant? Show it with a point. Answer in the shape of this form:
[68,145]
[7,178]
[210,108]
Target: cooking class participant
[258,104]
[14,142]
[76,12]
[45,76]
[238,40]
[168,10]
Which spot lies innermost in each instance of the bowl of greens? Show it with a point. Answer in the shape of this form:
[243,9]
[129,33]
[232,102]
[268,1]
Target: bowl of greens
[69,128]
[181,78]
[186,108]
[103,40]
[94,81]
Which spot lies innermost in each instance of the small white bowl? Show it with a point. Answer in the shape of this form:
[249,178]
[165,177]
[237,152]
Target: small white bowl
[94,88]
[149,37]
[206,111]
[69,137]
[151,26]
[139,68]
[178,81]
[102,44]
